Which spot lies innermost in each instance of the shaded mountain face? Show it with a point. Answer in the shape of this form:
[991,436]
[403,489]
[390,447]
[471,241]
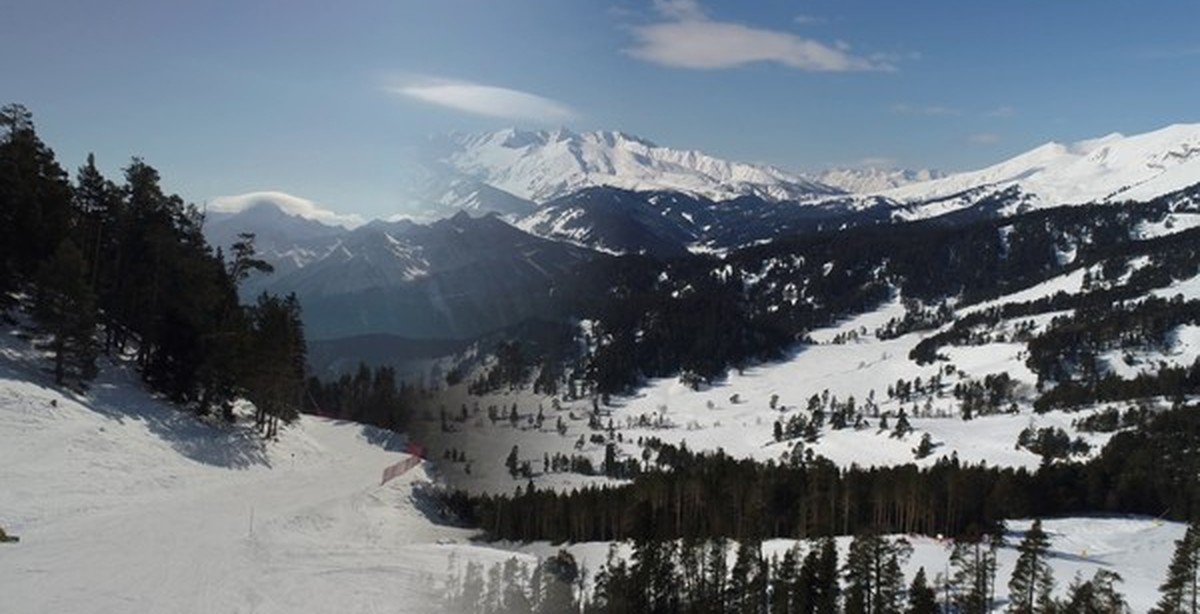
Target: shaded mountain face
[452,279]
[672,224]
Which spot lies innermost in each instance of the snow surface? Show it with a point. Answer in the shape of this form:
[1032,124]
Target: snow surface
[734,414]
[125,504]
[871,180]
[543,165]
[1112,168]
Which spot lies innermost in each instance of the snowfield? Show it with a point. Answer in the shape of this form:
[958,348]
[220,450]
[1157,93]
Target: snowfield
[125,504]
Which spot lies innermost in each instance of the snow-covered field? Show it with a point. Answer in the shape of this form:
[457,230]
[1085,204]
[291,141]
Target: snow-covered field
[735,414]
[124,504]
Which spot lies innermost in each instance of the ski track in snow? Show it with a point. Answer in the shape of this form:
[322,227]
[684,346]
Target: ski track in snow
[123,504]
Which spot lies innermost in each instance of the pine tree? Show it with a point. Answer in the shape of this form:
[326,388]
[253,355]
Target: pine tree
[97,203]
[1181,590]
[922,599]
[1095,596]
[245,259]
[973,565]
[747,581]
[1032,581]
[65,309]
[785,583]
[274,381]
[559,574]
[874,582]
[35,199]
[821,571]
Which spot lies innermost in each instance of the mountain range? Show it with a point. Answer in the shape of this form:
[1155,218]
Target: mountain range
[530,206]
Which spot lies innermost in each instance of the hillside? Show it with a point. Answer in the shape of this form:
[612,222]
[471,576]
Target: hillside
[124,503]
[1111,168]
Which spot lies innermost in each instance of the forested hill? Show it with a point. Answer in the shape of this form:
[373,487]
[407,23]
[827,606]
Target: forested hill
[122,268]
[698,316]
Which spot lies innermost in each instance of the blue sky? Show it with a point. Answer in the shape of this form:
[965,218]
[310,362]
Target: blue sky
[326,100]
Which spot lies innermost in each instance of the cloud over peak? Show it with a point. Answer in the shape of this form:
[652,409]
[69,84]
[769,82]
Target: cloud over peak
[688,38]
[293,205]
[486,100]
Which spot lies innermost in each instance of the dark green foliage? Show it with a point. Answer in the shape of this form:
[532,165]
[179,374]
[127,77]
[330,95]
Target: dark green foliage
[368,397]
[35,200]
[1096,596]
[65,310]
[1051,443]
[1181,589]
[874,583]
[131,261]
[1032,582]
[690,495]
[973,572]
[274,379]
[922,598]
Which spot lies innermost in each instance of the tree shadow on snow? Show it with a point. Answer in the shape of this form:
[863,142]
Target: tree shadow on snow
[118,395]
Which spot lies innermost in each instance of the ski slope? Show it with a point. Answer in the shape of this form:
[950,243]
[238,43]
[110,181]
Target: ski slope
[125,504]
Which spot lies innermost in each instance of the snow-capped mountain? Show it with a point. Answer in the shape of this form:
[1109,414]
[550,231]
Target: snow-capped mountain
[287,240]
[870,180]
[1112,168]
[539,166]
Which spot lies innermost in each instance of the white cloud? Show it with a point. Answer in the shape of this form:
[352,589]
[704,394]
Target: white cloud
[1002,111]
[293,205]
[689,39]
[983,138]
[487,100]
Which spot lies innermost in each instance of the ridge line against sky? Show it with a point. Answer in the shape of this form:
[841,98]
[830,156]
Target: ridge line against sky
[333,102]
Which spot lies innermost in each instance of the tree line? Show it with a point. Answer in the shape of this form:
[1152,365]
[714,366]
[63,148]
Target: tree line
[123,269]
[810,577]
[682,494]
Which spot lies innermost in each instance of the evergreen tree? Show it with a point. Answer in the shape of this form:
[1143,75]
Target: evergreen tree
[275,378]
[652,574]
[1181,590]
[1032,581]
[559,574]
[973,566]
[35,200]
[748,580]
[821,571]
[1095,596]
[97,203]
[874,583]
[922,598]
[65,309]
[785,583]
[245,259]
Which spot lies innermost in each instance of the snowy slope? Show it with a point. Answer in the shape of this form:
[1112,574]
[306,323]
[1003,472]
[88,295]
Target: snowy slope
[124,504]
[872,180]
[542,165]
[1106,169]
